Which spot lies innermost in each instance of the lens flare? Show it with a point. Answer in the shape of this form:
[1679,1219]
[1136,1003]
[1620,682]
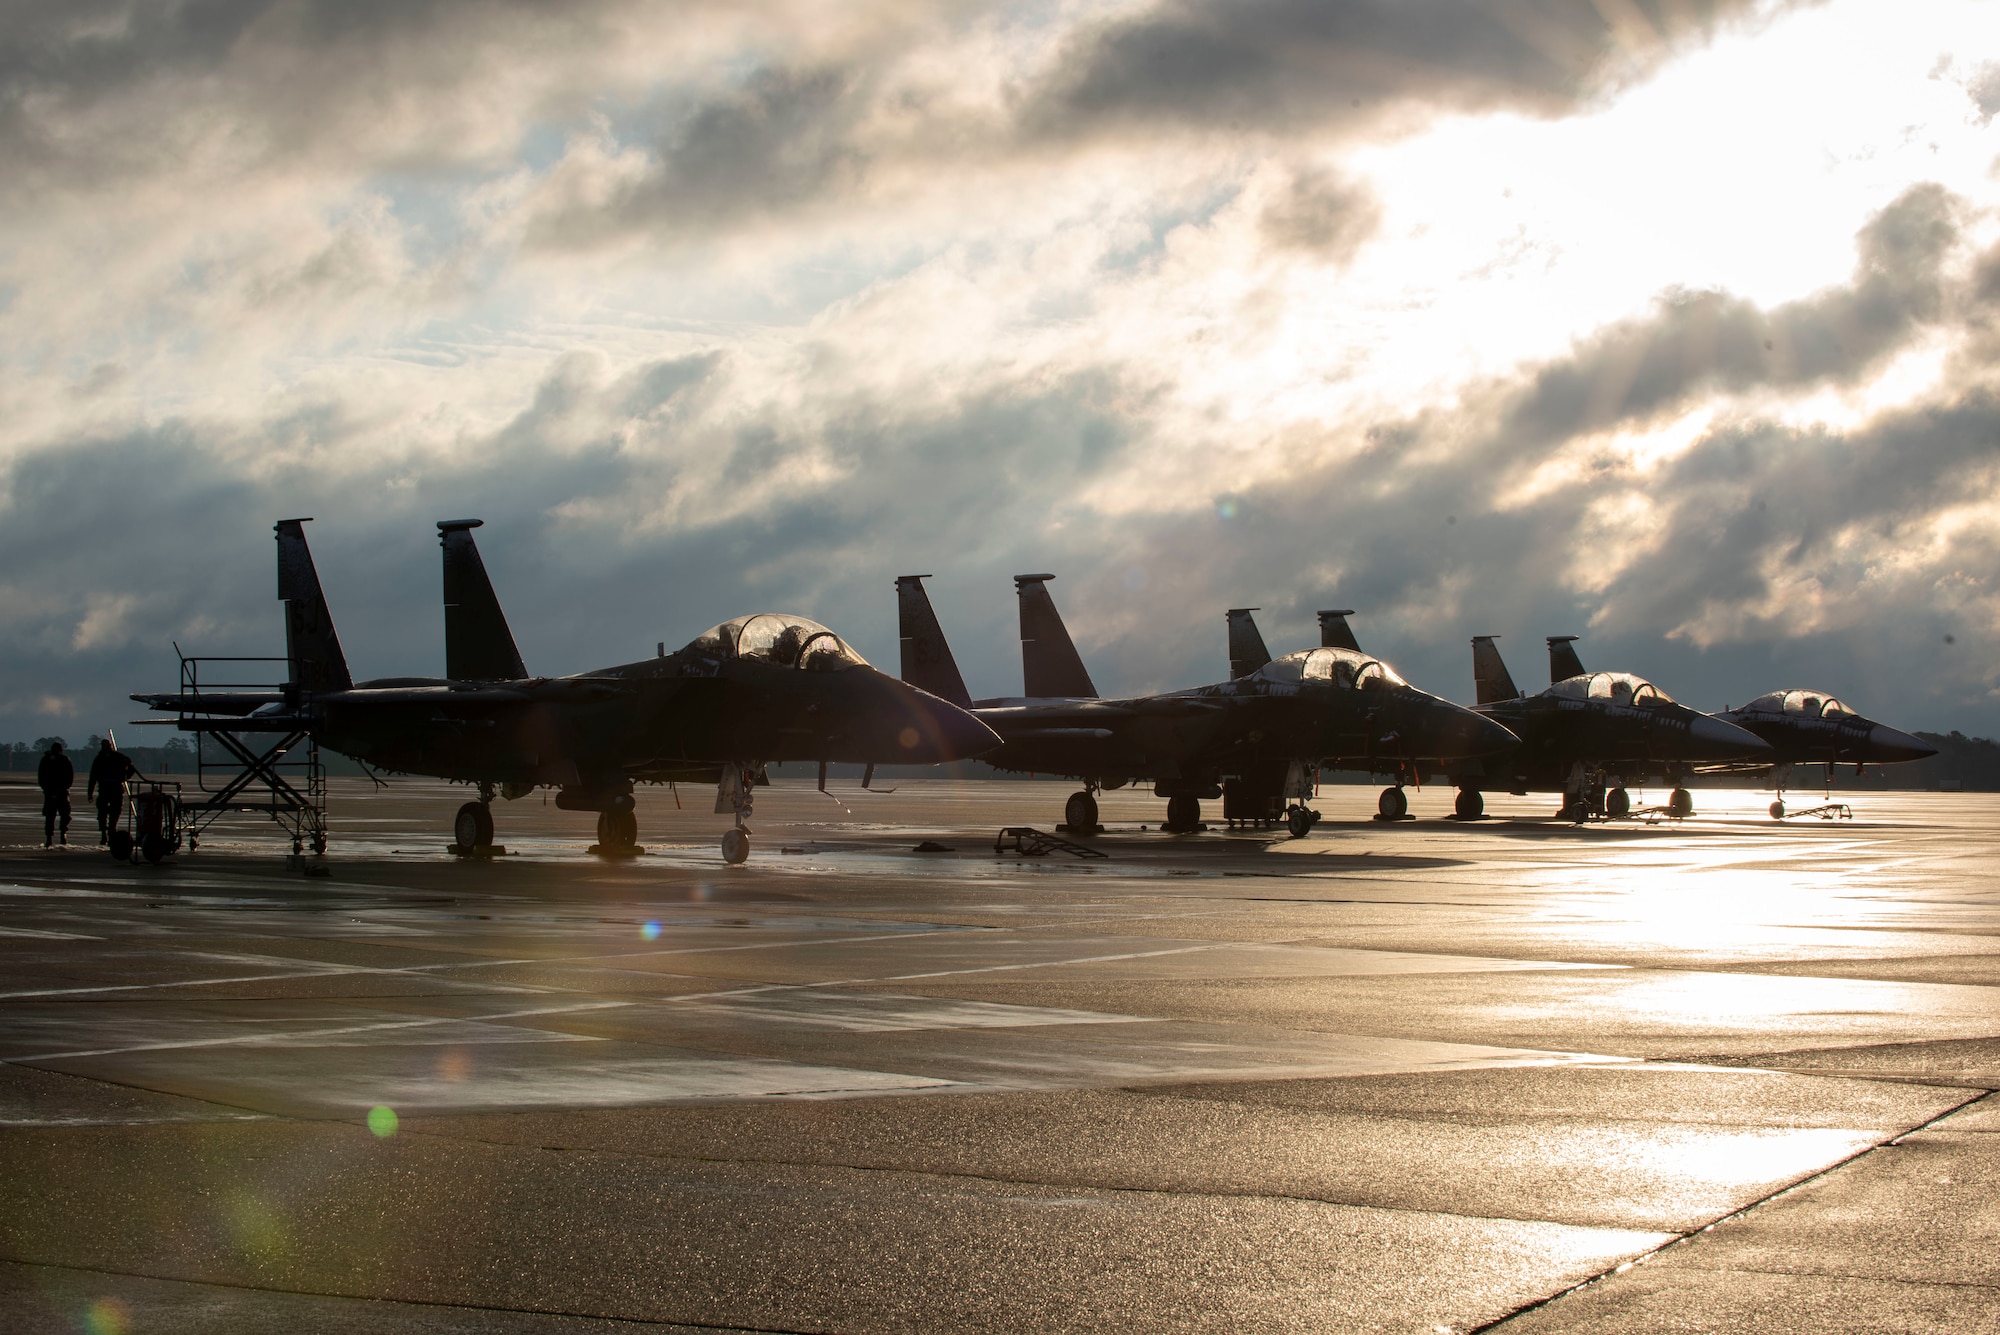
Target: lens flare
[651,931]
[382,1120]
[107,1316]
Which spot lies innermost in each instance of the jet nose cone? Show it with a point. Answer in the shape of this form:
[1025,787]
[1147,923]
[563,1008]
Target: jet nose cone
[1455,732]
[1711,738]
[1887,745]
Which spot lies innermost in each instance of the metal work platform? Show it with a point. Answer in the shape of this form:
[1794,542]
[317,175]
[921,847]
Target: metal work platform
[1033,843]
[265,762]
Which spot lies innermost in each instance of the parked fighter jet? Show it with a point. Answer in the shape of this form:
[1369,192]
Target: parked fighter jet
[1813,728]
[752,691]
[1245,643]
[1801,728]
[1255,741]
[1588,731]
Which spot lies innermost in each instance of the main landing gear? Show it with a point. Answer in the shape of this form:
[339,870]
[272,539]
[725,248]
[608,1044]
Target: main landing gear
[1183,814]
[1080,813]
[1470,804]
[1393,804]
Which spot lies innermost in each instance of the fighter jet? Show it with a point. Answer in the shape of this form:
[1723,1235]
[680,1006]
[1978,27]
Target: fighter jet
[1589,731]
[1813,728]
[1801,727]
[752,691]
[1255,741]
[1247,654]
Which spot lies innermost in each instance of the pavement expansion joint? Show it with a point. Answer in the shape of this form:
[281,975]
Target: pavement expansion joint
[1739,1212]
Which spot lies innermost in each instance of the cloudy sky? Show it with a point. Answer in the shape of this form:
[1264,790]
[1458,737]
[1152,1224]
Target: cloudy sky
[1674,324]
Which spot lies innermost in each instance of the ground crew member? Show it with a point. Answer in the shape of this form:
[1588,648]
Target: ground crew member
[55,775]
[108,773]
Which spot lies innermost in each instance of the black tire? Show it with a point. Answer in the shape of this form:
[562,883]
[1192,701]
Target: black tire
[121,846]
[1299,821]
[1618,804]
[473,826]
[1394,804]
[1680,803]
[1183,814]
[1080,813]
[617,829]
[1470,804]
[153,848]
[736,846]
[1778,809]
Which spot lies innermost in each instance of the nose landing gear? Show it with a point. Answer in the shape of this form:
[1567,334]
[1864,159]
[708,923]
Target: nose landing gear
[735,796]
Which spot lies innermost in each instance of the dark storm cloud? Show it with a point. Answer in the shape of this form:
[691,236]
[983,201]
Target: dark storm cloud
[1320,214]
[1286,64]
[972,487]
[1697,343]
[782,139]
[93,91]
[1411,527]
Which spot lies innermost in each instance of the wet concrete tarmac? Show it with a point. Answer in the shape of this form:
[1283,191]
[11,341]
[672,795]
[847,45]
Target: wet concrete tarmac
[1718,1075]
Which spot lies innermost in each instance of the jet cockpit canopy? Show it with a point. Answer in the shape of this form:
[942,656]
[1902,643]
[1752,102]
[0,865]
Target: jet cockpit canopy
[1346,669]
[1806,704]
[1618,688]
[780,638]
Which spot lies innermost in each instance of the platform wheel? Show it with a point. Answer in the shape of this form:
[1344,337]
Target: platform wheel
[473,826]
[121,846]
[153,848]
[1778,809]
[1618,804]
[1394,804]
[1470,804]
[1680,803]
[736,846]
[1080,813]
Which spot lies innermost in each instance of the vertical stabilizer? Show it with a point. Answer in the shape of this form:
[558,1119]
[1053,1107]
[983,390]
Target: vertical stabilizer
[311,646]
[1334,632]
[1246,643]
[927,661]
[1563,662]
[1490,680]
[1050,665]
[478,646]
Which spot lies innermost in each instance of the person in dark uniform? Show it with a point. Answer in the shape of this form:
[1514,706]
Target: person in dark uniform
[108,773]
[55,775]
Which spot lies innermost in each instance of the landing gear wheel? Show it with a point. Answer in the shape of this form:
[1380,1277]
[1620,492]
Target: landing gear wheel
[1778,809]
[1080,813]
[1618,804]
[736,846]
[1680,803]
[1393,804]
[473,827]
[1469,805]
[121,846]
[1299,821]
[617,829]
[1183,814]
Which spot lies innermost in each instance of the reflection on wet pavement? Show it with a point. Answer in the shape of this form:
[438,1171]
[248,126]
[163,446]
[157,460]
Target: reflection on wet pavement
[1511,1051]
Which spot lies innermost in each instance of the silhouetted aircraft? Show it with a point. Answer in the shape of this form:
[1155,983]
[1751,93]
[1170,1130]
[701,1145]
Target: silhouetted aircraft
[1801,728]
[1246,643]
[1589,732]
[749,692]
[1256,741]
